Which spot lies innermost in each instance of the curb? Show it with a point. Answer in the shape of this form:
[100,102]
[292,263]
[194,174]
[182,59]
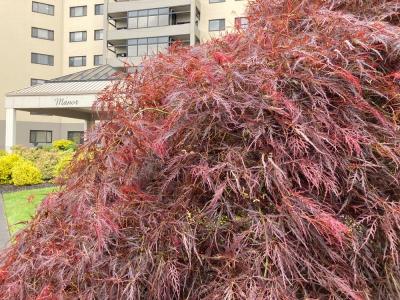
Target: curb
[4,233]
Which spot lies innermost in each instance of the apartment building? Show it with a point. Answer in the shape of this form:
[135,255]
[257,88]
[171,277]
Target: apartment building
[134,29]
[42,40]
[68,39]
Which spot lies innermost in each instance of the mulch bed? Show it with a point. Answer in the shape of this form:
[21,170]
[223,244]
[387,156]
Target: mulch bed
[9,188]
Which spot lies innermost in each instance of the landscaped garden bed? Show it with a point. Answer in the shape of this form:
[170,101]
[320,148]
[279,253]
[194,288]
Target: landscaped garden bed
[34,167]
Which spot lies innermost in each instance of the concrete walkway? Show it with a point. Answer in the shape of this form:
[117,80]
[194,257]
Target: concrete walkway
[4,233]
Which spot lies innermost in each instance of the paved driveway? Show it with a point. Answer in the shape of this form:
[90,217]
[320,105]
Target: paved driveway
[4,233]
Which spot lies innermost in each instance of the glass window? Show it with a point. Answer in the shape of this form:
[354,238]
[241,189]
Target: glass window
[163,20]
[133,13]
[98,9]
[142,22]
[44,34]
[40,136]
[163,11]
[152,21]
[43,8]
[142,50]
[78,11]
[75,136]
[153,12]
[98,34]
[163,39]
[132,51]
[148,18]
[241,22]
[78,36]
[216,25]
[147,46]
[133,23]
[35,81]
[77,61]
[98,60]
[42,59]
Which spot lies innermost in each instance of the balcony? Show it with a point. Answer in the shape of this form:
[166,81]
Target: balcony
[149,22]
[130,5]
[132,51]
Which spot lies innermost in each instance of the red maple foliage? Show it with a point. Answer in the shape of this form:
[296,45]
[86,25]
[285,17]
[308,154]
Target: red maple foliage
[263,165]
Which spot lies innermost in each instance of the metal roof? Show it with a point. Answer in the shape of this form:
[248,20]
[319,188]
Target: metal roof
[63,88]
[105,72]
[91,81]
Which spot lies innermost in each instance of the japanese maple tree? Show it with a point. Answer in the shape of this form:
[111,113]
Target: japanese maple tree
[261,165]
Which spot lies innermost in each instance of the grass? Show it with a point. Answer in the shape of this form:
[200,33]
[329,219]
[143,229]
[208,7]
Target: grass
[21,206]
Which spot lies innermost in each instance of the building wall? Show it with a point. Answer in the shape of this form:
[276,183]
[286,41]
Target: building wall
[228,10]
[89,23]
[16,21]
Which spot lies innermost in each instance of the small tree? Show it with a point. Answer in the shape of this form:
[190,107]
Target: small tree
[263,165]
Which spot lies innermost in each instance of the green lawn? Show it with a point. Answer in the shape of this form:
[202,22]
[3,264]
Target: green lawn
[21,206]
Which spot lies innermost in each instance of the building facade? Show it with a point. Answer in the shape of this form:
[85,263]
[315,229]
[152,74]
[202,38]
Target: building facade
[37,46]
[55,38]
[134,29]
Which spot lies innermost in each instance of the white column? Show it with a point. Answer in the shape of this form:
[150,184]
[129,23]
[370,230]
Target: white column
[11,128]
[88,124]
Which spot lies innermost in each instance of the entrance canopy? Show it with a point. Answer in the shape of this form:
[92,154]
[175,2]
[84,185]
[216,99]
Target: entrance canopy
[69,96]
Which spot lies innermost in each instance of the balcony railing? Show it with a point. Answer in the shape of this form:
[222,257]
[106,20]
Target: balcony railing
[141,50]
[150,20]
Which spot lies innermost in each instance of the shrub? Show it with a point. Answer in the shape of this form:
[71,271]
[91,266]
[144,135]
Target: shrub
[263,165]
[45,159]
[64,145]
[3,153]
[63,163]
[7,162]
[25,173]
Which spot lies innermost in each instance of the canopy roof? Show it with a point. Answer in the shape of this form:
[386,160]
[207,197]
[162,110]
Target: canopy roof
[90,81]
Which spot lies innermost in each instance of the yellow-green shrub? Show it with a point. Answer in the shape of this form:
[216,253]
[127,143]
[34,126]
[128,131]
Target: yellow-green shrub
[3,153]
[43,158]
[25,173]
[64,145]
[7,163]
[63,163]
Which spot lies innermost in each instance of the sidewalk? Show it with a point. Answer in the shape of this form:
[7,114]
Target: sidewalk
[4,233]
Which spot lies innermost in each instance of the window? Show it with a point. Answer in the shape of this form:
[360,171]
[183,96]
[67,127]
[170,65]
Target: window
[98,60]
[216,1]
[40,136]
[147,46]
[98,34]
[78,11]
[44,34]
[98,9]
[241,22]
[149,18]
[43,8]
[216,25]
[77,61]
[35,81]
[75,136]
[42,59]
[78,36]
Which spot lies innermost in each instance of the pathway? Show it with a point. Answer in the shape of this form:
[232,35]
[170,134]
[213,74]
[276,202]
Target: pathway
[4,233]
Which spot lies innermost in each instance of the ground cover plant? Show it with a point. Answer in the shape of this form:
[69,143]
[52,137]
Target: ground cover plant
[263,165]
[20,207]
